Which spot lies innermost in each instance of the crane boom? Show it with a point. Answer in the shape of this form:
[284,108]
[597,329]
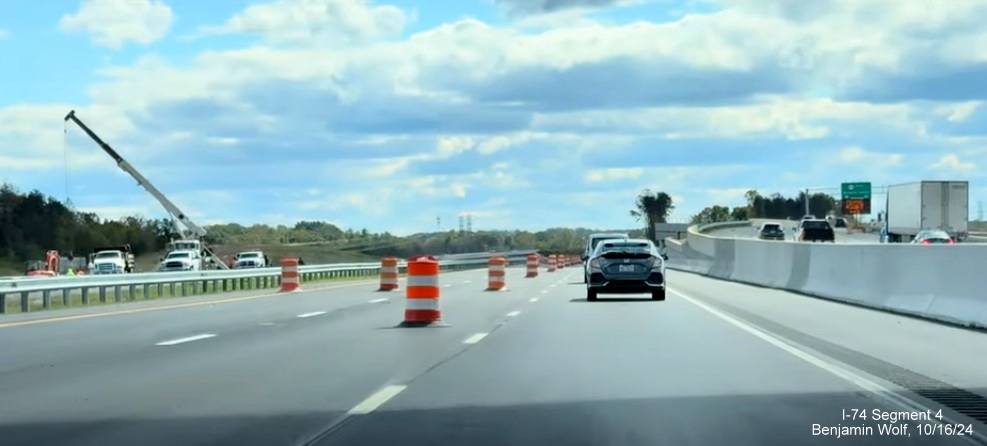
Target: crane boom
[191,230]
[186,227]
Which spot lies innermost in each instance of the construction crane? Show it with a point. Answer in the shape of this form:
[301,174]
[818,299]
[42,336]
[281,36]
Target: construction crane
[188,230]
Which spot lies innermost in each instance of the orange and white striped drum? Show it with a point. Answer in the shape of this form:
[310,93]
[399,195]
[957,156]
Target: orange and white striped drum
[388,274]
[561,261]
[551,263]
[290,279]
[496,273]
[532,266]
[422,293]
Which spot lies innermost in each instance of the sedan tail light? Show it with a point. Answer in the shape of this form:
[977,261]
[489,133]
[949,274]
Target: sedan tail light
[925,242]
[951,242]
[656,263]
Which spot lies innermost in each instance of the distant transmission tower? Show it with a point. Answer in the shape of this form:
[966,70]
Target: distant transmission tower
[980,210]
[469,223]
[438,224]
[462,223]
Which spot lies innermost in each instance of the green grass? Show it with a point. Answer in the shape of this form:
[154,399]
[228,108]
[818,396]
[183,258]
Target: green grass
[74,300]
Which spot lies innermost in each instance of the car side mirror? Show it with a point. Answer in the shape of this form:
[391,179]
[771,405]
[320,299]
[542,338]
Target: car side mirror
[664,256]
[161,259]
[585,258]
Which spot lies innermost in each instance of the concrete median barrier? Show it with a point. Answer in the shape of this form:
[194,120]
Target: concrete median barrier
[936,282]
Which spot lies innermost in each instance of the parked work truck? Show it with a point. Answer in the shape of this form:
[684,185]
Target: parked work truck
[112,260]
[924,205]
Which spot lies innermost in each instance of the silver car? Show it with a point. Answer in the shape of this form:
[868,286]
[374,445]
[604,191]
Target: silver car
[629,266]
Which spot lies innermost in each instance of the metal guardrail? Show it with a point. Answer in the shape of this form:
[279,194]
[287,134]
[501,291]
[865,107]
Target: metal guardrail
[470,255]
[149,285]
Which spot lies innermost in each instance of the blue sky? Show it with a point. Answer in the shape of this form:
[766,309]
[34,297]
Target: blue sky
[525,113]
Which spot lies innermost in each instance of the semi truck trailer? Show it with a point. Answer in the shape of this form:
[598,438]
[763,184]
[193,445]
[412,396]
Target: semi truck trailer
[924,205]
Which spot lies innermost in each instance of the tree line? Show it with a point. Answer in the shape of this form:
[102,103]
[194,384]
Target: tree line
[32,223]
[775,206]
[652,207]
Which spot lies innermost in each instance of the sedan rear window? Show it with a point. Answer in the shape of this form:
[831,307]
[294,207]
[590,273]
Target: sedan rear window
[625,247]
[809,224]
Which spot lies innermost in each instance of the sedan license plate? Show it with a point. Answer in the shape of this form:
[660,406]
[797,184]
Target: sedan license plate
[626,268]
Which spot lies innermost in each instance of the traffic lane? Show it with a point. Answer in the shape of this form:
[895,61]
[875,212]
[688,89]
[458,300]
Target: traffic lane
[622,371]
[842,236]
[954,355]
[260,385]
[40,345]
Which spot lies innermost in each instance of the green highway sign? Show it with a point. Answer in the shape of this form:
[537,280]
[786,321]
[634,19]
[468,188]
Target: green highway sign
[855,191]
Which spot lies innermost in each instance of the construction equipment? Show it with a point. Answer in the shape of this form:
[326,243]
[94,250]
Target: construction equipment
[48,268]
[191,233]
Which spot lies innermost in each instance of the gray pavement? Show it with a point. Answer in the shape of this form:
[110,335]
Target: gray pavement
[842,236]
[717,363]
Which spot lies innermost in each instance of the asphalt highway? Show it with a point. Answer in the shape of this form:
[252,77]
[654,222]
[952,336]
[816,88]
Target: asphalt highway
[717,363]
[842,236]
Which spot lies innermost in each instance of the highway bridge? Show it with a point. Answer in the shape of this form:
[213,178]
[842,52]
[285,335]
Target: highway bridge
[719,362]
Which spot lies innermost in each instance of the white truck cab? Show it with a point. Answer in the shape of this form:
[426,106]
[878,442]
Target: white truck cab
[183,260]
[250,259]
[110,262]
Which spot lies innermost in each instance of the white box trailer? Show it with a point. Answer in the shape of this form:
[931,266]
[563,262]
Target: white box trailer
[924,205]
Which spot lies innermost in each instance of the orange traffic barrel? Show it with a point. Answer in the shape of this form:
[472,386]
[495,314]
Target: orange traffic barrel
[496,272]
[290,279]
[551,263]
[388,274]
[560,261]
[422,294]
[532,266]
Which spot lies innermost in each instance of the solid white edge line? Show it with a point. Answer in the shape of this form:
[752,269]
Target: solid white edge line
[513,314]
[383,299]
[314,313]
[475,338]
[860,381]
[373,402]
[187,339]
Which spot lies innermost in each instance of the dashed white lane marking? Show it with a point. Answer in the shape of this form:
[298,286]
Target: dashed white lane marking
[373,402]
[513,313]
[553,285]
[188,339]
[475,338]
[266,324]
[467,281]
[383,299]
[544,291]
[314,313]
[447,285]
[533,299]
[868,385]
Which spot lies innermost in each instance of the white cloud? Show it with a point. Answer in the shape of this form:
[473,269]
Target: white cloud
[953,163]
[616,173]
[336,22]
[340,111]
[4,34]
[959,112]
[113,23]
